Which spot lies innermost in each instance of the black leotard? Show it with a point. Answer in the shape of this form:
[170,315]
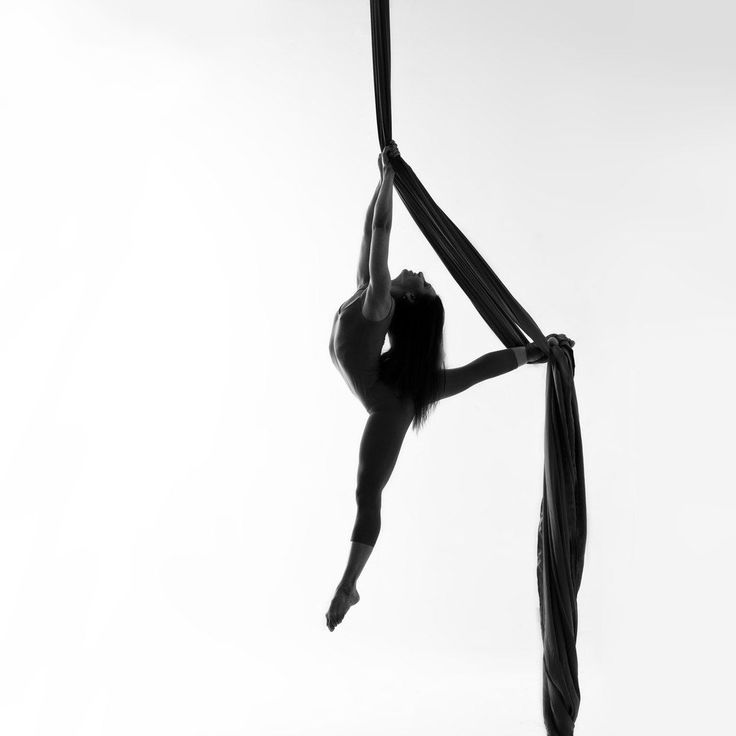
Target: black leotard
[355,349]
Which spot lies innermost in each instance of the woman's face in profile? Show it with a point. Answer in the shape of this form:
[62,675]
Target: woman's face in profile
[411,281]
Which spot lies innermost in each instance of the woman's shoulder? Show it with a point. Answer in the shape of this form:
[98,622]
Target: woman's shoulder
[356,296]
[377,305]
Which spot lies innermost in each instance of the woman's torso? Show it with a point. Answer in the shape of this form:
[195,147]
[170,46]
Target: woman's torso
[356,343]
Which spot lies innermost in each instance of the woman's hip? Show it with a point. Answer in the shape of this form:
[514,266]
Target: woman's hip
[379,396]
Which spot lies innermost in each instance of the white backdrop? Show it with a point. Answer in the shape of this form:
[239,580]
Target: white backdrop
[183,189]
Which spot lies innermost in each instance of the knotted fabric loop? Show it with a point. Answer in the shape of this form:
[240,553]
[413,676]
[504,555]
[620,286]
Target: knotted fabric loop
[561,340]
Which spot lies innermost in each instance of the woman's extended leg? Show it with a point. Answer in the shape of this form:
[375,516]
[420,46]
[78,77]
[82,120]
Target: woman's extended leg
[380,445]
[379,450]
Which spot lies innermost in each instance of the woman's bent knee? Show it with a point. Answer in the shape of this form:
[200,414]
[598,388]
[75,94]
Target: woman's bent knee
[367,527]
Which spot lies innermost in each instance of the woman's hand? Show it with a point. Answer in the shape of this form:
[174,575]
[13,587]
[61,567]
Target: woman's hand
[389,151]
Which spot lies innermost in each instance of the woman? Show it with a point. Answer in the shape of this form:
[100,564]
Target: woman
[401,386]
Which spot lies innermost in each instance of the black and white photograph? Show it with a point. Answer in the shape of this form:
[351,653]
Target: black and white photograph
[365,367]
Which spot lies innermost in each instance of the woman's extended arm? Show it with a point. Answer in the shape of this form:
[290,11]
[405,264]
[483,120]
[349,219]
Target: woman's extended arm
[380,277]
[490,365]
[365,246]
[383,212]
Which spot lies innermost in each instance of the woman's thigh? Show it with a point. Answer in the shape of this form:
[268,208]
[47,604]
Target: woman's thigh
[380,397]
[380,445]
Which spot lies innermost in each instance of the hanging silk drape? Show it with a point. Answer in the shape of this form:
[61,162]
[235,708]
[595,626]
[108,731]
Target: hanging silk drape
[562,524]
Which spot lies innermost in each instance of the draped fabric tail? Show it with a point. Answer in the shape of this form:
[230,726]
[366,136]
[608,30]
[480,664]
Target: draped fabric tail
[562,525]
[561,548]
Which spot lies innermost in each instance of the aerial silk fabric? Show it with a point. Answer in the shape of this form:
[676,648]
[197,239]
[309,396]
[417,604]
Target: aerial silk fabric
[562,524]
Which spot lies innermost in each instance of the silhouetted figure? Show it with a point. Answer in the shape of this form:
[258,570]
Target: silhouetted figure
[400,387]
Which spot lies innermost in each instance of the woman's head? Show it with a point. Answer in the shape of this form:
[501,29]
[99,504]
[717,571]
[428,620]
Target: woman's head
[409,285]
[415,360]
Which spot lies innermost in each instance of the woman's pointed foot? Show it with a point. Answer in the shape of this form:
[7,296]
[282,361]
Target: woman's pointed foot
[341,602]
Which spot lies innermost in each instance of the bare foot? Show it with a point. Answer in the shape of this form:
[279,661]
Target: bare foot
[344,598]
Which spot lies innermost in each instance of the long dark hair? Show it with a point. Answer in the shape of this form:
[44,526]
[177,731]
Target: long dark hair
[416,358]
